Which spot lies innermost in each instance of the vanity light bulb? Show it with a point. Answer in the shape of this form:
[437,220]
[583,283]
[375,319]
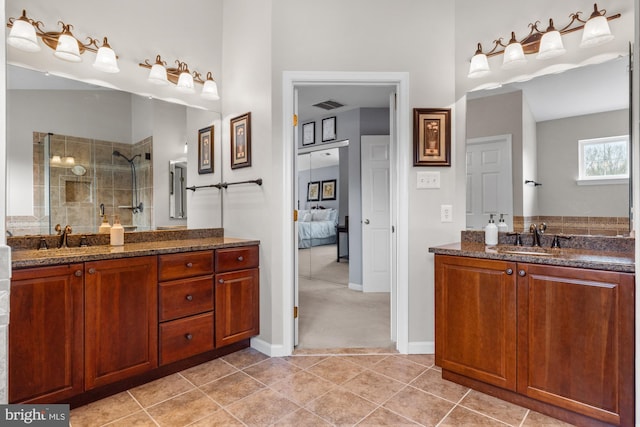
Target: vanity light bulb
[68,48]
[106,60]
[185,82]
[23,36]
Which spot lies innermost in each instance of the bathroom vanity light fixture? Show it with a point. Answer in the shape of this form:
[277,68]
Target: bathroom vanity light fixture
[547,44]
[180,76]
[25,32]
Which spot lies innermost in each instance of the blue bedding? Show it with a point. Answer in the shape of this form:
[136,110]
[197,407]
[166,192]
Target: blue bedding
[317,227]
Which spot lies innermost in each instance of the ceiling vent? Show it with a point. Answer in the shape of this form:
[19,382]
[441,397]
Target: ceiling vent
[328,105]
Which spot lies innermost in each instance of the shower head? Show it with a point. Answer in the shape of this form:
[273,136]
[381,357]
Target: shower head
[119,154]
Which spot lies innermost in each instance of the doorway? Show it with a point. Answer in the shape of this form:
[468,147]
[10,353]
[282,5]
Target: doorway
[399,159]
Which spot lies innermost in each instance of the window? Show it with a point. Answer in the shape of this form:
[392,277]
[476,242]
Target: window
[604,160]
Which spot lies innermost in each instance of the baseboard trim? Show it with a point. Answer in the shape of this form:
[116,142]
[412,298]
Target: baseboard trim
[271,350]
[355,287]
[422,347]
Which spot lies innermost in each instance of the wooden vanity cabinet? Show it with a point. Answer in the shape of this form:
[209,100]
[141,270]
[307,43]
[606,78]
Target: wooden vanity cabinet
[46,334]
[556,339]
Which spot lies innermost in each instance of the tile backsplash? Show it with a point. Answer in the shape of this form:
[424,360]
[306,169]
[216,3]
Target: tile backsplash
[584,225]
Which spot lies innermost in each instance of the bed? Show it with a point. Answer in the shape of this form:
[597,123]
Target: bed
[317,227]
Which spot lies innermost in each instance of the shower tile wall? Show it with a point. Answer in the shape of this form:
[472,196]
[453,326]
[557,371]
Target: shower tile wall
[75,200]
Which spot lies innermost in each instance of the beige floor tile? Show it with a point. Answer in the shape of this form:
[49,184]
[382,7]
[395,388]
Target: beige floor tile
[271,370]
[418,406]
[495,408]
[302,387]
[384,417]
[427,360]
[218,418]
[138,419]
[464,417]
[398,368]
[184,409]
[231,388]
[159,390]
[304,362]
[372,386]
[104,411]
[341,407]
[336,369]
[209,371]
[264,407]
[536,419]
[367,360]
[431,381]
[244,358]
[301,418]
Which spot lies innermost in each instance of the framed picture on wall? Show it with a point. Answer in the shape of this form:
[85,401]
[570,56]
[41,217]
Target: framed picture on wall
[329,129]
[309,133]
[329,189]
[205,150]
[431,137]
[241,141]
[313,191]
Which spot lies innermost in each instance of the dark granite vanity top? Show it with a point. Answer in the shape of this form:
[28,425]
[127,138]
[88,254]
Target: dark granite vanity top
[25,255]
[603,253]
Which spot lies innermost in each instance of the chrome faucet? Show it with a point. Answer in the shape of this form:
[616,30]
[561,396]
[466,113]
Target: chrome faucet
[64,234]
[537,232]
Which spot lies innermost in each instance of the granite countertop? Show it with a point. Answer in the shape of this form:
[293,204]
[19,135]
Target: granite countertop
[23,258]
[581,258]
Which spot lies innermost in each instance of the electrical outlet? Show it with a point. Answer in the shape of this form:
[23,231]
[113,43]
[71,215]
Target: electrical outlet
[446,213]
[428,180]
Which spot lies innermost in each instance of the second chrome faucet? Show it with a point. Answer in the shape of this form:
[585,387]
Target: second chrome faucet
[537,231]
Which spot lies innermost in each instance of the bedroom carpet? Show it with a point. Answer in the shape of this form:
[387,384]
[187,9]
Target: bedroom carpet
[330,314]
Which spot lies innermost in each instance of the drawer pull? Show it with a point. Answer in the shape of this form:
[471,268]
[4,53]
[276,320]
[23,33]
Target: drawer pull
[522,273]
[509,271]
[78,273]
[189,264]
[92,271]
[188,337]
[189,297]
[240,258]
[220,281]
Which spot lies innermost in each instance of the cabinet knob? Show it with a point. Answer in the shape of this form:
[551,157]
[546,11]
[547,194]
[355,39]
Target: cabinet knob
[220,281]
[189,264]
[189,297]
[240,258]
[522,273]
[188,336]
[77,273]
[509,271]
[92,271]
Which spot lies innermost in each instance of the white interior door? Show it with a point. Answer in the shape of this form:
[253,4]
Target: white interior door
[376,213]
[489,180]
[295,223]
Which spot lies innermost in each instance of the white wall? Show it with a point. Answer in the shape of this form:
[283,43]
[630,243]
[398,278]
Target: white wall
[529,162]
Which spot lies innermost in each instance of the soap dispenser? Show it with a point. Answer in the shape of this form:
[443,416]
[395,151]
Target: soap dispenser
[117,232]
[491,232]
[105,227]
[502,226]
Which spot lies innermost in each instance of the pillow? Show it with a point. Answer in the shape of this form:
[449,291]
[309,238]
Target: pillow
[333,216]
[304,215]
[321,214]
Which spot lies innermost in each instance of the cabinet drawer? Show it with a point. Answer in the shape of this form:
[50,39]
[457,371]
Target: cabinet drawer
[185,297]
[186,337]
[236,258]
[189,264]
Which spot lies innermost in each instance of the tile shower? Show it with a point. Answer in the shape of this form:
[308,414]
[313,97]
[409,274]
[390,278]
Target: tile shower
[62,197]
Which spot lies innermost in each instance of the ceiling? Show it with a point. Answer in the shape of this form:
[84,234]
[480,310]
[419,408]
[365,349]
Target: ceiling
[351,96]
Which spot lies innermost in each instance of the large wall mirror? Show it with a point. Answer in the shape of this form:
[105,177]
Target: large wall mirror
[76,151]
[523,151]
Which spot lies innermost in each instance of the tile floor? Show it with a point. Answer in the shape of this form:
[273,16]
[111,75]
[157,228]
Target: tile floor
[339,388]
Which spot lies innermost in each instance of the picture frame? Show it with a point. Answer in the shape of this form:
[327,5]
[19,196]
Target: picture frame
[329,189]
[205,150]
[313,191]
[240,128]
[431,137]
[329,129]
[309,133]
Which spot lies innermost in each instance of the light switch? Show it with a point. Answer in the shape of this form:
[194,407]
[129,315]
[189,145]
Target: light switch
[428,180]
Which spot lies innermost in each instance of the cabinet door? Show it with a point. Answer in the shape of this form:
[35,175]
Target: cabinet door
[575,347]
[46,334]
[476,318]
[121,319]
[237,306]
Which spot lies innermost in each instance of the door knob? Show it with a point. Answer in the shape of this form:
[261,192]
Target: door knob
[366,221]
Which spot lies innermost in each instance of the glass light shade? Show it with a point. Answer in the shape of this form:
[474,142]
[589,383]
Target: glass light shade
[69,161]
[479,66]
[158,75]
[68,48]
[56,160]
[106,60]
[513,56]
[185,82]
[551,45]
[186,147]
[210,90]
[23,36]
[596,32]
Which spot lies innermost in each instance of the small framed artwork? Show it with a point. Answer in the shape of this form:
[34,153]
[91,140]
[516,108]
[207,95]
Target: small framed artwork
[309,133]
[329,189]
[241,141]
[328,129]
[205,150]
[431,137]
[313,191]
